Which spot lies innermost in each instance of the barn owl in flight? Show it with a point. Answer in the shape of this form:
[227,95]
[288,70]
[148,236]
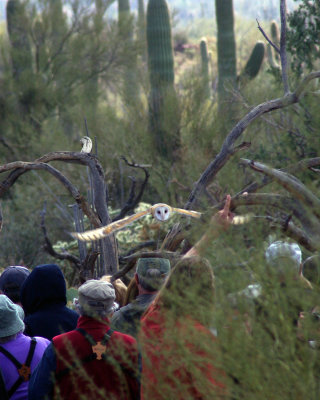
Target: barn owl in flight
[86,144]
[160,211]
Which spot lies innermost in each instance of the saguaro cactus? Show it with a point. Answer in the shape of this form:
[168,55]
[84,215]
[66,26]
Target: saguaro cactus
[130,89]
[17,26]
[254,63]
[275,36]
[227,60]
[163,107]
[205,68]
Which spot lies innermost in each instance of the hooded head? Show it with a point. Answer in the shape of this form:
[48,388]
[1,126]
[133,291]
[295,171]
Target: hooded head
[45,285]
[11,281]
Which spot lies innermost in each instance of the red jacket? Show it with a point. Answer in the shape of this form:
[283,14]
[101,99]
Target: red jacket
[177,359]
[115,378]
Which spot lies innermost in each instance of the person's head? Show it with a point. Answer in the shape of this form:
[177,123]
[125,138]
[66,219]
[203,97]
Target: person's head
[286,257]
[151,273]
[189,289]
[311,269]
[11,281]
[11,319]
[96,299]
[119,287]
[45,285]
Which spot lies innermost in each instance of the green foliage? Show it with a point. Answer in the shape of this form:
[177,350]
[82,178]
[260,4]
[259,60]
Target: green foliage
[303,37]
[17,25]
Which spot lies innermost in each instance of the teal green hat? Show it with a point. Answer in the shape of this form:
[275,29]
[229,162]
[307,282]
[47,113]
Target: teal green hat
[10,317]
[146,264]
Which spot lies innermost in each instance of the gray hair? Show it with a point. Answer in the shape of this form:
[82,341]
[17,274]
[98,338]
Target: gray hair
[6,339]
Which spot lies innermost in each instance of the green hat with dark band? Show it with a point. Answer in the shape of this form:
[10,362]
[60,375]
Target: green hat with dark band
[146,264]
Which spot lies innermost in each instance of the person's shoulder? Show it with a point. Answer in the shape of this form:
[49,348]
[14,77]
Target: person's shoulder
[66,336]
[123,338]
[41,340]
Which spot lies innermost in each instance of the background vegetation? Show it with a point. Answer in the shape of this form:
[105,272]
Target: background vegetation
[74,68]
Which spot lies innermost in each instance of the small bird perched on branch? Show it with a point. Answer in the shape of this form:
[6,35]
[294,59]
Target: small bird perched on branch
[86,144]
[160,211]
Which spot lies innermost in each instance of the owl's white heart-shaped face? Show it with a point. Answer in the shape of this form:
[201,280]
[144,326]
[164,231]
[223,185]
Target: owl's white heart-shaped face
[162,212]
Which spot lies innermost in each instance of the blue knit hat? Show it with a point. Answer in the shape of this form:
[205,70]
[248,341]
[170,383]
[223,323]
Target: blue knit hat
[10,317]
[11,281]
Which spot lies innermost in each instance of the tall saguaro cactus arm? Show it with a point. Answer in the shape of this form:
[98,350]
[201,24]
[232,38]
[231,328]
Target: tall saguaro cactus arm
[226,44]
[163,104]
[159,44]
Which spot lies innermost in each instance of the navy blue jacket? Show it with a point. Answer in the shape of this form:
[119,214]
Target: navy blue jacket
[43,298]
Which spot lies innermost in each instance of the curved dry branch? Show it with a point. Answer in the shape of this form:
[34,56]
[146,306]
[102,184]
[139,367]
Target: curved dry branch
[295,233]
[226,150]
[109,251]
[227,147]
[302,165]
[290,183]
[1,218]
[80,158]
[27,166]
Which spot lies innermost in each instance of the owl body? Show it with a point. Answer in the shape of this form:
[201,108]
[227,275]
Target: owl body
[86,144]
[160,211]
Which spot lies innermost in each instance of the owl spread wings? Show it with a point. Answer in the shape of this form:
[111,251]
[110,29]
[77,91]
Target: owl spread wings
[159,211]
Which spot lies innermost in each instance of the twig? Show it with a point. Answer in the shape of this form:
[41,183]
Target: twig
[149,243]
[283,50]
[267,38]
[48,246]
[1,218]
[133,201]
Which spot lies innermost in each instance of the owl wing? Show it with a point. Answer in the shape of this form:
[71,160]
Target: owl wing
[190,213]
[99,233]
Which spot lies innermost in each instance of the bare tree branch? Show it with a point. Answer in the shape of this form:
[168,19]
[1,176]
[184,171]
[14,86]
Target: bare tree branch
[27,166]
[1,218]
[109,249]
[49,248]
[133,201]
[283,50]
[290,183]
[302,165]
[267,38]
[297,234]
[227,147]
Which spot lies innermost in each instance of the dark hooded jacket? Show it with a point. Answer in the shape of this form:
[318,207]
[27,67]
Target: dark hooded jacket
[43,298]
